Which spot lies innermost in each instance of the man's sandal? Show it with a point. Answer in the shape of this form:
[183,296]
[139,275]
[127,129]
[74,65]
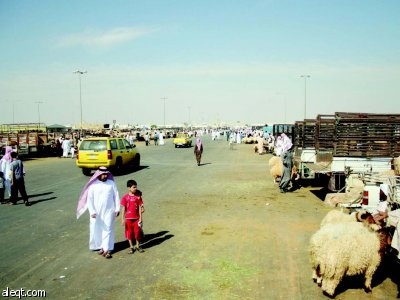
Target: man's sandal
[101,252]
[140,250]
[131,250]
[107,255]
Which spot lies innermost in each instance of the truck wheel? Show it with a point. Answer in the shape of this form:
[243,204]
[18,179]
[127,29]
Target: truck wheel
[86,171]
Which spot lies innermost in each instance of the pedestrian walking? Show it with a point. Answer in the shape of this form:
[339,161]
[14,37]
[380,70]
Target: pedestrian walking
[100,196]
[156,138]
[260,144]
[284,183]
[66,147]
[73,150]
[161,138]
[147,138]
[133,209]
[198,150]
[5,163]
[17,180]
[232,140]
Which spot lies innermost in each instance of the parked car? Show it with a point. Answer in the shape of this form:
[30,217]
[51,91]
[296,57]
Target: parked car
[182,140]
[113,153]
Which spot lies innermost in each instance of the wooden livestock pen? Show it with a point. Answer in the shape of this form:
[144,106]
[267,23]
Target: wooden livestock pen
[367,135]
[350,134]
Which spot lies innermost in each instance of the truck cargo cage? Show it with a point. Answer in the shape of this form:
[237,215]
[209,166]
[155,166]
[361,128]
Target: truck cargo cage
[367,135]
[325,133]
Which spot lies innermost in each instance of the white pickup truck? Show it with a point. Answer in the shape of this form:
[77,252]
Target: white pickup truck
[371,190]
[310,164]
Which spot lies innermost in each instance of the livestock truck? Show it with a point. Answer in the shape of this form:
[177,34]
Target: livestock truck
[28,143]
[334,146]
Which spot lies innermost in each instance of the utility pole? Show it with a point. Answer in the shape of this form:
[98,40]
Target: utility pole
[305,94]
[189,117]
[38,109]
[80,94]
[164,109]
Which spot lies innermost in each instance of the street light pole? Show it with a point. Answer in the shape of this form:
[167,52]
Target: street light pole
[189,120]
[38,110]
[80,94]
[13,112]
[305,94]
[164,109]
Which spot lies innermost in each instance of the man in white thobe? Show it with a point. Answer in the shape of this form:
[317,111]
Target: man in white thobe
[66,146]
[103,203]
[5,164]
[161,139]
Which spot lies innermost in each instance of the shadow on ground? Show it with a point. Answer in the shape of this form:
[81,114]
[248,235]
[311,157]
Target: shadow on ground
[149,240]
[33,202]
[389,268]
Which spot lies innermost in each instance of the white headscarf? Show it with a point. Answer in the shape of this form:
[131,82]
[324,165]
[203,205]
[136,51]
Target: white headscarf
[287,143]
[82,203]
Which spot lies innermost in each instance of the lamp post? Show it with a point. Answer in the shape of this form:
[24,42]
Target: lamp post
[38,110]
[305,94]
[80,94]
[189,116]
[13,112]
[284,108]
[164,109]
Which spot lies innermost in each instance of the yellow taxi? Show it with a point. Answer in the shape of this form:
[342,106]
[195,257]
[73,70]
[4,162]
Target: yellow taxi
[114,153]
[182,140]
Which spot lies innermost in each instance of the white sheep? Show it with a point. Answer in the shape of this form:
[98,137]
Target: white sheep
[337,216]
[345,249]
[275,167]
[273,160]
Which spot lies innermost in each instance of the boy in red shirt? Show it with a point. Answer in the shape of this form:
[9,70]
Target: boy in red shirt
[132,215]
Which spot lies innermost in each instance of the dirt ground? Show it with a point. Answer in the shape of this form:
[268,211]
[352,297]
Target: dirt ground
[221,230]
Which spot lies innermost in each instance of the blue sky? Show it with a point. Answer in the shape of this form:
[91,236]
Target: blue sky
[213,61]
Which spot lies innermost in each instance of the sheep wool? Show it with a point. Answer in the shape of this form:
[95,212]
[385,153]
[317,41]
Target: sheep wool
[344,249]
[275,167]
[274,160]
[276,172]
[337,216]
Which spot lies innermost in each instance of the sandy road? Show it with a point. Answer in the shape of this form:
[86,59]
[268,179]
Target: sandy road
[218,231]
